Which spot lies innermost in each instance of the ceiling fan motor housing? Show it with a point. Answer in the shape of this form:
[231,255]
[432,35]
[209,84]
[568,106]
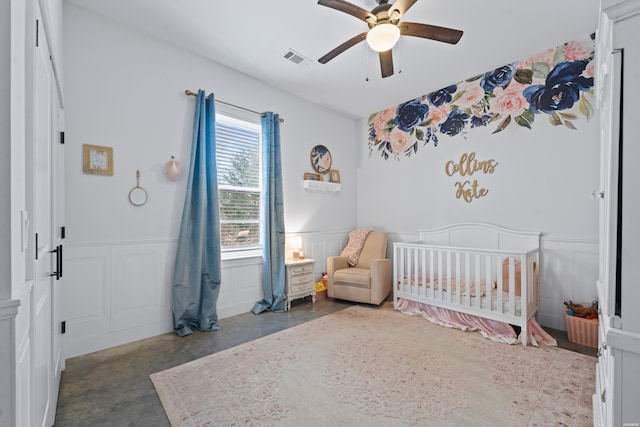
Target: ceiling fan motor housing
[381,13]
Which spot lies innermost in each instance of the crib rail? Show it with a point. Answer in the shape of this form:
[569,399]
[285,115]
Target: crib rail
[473,281]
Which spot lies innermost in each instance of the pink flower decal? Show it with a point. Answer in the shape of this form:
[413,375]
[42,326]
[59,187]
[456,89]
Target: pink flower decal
[381,123]
[400,141]
[509,101]
[439,114]
[578,50]
[471,95]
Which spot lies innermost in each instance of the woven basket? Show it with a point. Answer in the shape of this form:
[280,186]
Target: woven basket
[582,331]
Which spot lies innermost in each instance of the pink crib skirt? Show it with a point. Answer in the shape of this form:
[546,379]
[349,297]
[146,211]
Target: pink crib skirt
[492,329]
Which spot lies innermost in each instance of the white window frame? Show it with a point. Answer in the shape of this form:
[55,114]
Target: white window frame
[240,117]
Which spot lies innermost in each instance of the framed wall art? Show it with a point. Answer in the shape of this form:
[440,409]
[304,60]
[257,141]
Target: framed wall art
[334,176]
[97,160]
[308,176]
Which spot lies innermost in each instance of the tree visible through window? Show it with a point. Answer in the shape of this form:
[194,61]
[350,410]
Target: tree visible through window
[238,160]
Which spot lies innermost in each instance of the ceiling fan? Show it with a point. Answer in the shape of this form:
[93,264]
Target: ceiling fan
[385,29]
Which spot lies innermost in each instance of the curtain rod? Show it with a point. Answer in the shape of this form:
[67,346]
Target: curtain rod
[190,93]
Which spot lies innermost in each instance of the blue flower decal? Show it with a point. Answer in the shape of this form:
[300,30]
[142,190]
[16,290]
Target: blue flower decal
[500,77]
[561,89]
[411,114]
[477,121]
[442,96]
[455,123]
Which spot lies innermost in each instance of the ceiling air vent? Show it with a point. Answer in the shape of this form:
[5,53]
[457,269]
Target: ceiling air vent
[296,58]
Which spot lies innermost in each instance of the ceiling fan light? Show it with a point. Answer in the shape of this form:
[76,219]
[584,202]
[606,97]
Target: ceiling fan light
[383,37]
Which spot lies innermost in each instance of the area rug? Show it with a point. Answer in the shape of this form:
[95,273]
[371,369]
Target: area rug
[369,366]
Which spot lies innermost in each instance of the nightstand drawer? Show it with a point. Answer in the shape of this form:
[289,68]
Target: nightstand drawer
[302,287]
[301,269]
[302,278]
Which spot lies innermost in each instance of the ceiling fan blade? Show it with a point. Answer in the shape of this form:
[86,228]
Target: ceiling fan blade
[351,9]
[386,63]
[344,46]
[441,34]
[399,8]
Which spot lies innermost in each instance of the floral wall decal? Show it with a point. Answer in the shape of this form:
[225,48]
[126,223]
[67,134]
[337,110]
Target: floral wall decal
[557,83]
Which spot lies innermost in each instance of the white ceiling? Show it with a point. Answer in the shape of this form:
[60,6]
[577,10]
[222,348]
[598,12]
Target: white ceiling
[252,36]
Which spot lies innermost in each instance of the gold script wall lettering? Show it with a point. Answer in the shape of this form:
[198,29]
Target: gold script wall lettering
[468,165]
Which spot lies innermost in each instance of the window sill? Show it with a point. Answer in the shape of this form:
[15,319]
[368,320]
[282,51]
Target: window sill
[233,255]
[321,187]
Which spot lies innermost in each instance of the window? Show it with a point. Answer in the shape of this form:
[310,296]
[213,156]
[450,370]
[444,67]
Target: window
[238,139]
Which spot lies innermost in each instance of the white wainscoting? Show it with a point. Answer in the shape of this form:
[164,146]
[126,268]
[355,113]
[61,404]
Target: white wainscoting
[115,293]
[569,272]
[9,311]
[23,355]
[241,286]
[319,246]
[119,292]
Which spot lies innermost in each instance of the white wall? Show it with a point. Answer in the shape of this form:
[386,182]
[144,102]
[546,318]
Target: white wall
[12,60]
[5,147]
[543,182]
[126,90]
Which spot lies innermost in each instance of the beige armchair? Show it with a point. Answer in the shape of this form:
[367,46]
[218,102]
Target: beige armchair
[369,281]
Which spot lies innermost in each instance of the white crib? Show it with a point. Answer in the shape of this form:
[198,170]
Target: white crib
[471,268]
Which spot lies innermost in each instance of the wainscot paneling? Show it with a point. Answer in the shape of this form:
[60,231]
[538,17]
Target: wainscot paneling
[9,310]
[139,288]
[23,355]
[241,286]
[318,246]
[569,272]
[119,292]
[115,293]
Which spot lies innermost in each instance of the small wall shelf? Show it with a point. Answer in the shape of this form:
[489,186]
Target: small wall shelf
[321,187]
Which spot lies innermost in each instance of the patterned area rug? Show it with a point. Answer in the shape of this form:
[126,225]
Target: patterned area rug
[367,366]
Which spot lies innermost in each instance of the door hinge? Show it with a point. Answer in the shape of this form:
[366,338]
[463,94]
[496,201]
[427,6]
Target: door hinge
[37,31]
[36,245]
[63,232]
[63,327]
[62,137]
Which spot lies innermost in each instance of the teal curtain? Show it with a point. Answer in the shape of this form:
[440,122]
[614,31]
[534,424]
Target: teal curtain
[197,276]
[272,219]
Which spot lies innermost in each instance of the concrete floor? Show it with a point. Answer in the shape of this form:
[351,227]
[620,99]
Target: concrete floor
[112,387]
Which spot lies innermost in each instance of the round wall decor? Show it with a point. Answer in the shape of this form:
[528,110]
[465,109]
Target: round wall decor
[320,159]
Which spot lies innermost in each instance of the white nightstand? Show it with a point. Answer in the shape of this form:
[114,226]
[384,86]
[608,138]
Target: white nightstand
[299,281]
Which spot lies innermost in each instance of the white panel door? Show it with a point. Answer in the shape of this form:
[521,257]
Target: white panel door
[40,189]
